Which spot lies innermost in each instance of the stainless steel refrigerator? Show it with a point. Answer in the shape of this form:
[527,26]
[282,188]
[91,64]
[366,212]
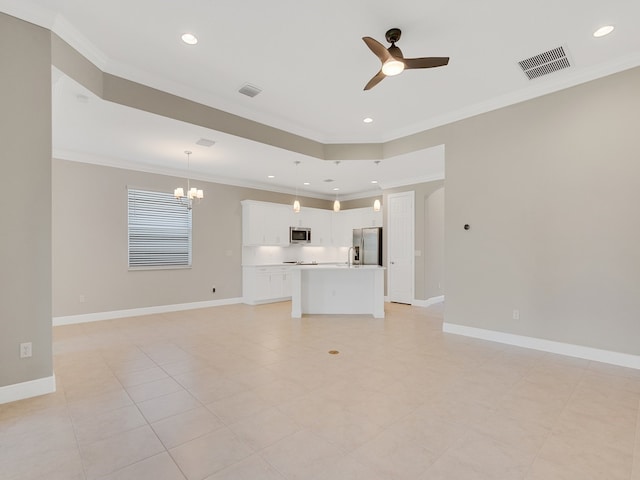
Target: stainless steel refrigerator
[367,246]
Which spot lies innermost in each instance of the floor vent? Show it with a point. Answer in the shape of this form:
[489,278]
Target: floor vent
[545,63]
[249,90]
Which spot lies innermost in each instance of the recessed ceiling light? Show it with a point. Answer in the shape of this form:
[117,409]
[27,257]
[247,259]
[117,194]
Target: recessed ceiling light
[374,181]
[602,31]
[307,183]
[271,176]
[336,189]
[189,38]
[368,120]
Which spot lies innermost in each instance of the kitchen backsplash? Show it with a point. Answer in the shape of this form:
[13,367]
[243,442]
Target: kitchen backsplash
[293,253]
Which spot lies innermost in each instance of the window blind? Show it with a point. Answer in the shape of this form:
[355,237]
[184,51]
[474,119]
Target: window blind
[159,230]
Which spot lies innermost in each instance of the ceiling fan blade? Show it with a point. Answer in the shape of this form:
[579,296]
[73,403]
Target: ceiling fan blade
[427,62]
[377,48]
[375,80]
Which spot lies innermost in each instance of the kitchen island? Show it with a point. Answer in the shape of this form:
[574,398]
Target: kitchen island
[337,289]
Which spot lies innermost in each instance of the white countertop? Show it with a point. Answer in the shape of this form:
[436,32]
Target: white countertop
[324,266]
[288,264]
[340,266]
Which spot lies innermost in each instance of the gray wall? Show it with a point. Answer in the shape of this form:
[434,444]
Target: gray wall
[90,241]
[433,248]
[25,211]
[551,189]
[360,202]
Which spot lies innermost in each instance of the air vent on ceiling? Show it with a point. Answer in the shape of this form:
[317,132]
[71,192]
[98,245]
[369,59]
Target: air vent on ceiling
[249,90]
[205,142]
[545,63]
[328,180]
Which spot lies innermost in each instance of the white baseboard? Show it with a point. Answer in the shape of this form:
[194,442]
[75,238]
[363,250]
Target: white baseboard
[254,303]
[136,312]
[428,302]
[32,388]
[568,349]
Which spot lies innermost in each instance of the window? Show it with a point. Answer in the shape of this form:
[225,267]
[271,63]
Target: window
[159,231]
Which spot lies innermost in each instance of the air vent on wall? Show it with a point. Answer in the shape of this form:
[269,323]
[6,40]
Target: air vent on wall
[249,90]
[545,63]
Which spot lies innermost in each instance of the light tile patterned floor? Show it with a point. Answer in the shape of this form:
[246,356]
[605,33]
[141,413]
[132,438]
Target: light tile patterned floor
[240,392]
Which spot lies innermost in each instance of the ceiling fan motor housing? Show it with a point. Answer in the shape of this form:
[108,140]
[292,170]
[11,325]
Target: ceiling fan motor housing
[393,35]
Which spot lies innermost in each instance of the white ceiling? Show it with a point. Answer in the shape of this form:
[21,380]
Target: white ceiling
[310,61]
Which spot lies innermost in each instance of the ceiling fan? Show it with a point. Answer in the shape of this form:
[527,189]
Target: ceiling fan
[393,62]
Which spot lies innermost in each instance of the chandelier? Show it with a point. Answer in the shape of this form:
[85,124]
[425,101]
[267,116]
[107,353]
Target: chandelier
[193,193]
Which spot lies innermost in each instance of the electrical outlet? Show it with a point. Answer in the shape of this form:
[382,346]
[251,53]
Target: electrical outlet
[82,299]
[26,350]
[516,314]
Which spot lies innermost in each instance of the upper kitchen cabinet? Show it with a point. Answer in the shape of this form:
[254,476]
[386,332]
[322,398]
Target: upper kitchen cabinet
[265,223]
[346,220]
[319,221]
[367,217]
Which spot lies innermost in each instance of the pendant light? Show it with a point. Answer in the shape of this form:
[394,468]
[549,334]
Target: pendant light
[336,203]
[296,202]
[193,193]
[376,202]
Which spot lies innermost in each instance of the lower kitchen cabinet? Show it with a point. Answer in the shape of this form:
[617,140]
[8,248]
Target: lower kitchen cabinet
[265,284]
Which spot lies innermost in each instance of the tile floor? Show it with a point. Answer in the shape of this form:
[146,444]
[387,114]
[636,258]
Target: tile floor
[241,392]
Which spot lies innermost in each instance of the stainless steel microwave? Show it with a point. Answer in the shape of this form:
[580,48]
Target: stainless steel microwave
[299,235]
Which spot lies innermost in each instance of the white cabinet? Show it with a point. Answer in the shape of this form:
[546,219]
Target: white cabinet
[343,225]
[299,219]
[265,223]
[319,221]
[346,220]
[370,218]
[266,284]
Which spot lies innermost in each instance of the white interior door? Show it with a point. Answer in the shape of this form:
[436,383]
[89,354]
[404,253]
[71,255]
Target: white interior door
[400,247]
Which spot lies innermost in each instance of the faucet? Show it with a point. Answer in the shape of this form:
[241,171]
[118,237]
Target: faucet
[349,256]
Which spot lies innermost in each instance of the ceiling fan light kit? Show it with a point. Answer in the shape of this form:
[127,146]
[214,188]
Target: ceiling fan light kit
[393,61]
[392,67]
